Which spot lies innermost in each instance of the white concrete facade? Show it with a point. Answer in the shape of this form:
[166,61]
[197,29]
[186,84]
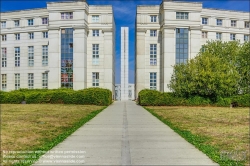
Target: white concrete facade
[124,62]
[93,28]
[201,25]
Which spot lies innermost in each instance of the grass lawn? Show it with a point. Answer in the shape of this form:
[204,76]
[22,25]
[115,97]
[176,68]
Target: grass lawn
[221,133]
[29,127]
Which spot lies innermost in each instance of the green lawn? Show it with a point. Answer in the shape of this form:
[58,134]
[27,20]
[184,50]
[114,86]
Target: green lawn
[221,133]
[30,127]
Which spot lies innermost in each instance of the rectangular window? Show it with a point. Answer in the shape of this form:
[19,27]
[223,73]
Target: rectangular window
[45,56]
[67,15]
[95,56]
[17,81]
[153,54]
[17,36]
[204,21]
[30,22]
[4,57]
[17,23]
[181,45]
[182,15]
[95,79]
[233,23]
[3,24]
[153,83]
[31,55]
[232,36]
[247,24]
[219,22]
[4,37]
[246,37]
[95,32]
[45,34]
[30,80]
[95,18]
[153,18]
[153,32]
[218,36]
[45,80]
[4,82]
[31,35]
[45,20]
[17,56]
[204,34]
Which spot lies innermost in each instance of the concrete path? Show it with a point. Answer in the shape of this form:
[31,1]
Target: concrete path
[124,134]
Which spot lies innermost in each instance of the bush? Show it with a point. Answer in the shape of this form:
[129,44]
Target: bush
[148,97]
[90,96]
[12,97]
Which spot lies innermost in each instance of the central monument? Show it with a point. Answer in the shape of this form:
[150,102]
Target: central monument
[124,63]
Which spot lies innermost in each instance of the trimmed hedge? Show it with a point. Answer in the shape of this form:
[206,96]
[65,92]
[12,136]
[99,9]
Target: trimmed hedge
[89,96]
[148,97]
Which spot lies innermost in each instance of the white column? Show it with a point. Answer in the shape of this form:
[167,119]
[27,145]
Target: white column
[124,63]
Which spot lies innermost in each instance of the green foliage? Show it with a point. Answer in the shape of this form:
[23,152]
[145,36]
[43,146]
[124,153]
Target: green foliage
[149,97]
[90,96]
[12,97]
[221,69]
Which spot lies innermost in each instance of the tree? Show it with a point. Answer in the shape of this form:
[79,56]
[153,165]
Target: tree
[221,69]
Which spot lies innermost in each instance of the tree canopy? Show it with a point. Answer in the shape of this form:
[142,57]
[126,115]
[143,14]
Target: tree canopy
[220,69]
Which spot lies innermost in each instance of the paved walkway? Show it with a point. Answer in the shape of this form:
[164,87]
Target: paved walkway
[124,134]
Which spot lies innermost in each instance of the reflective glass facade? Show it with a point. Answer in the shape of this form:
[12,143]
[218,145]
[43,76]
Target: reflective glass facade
[67,58]
[181,45]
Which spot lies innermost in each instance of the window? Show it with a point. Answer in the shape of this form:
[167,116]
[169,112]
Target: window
[31,55]
[182,15]
[153,81]
[246,37]
[45,20]
[95,79]
[247,24]
[218,36]
[45,34]
[153,54]
[129,93]
[67,15]
[17,36]
[17,81]
[95,18]
[181,45]
[45,80]
[17,23]
[31,35]
[153,18]
[153,33]
[4,57]
[45,56]
[30,80]
[30,22]
[233,23]
[204,34]
[3,24]
[95,32]
[232,36]
[219,22]
[17,56]
[95,48]
[204,21]
[4,37]
[4,82]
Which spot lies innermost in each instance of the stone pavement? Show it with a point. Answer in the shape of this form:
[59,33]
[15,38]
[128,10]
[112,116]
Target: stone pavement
[124,134]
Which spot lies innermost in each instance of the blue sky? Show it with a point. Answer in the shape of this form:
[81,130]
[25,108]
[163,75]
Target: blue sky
[124,12]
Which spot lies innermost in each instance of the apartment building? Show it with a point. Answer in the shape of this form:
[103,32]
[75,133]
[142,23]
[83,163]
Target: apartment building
[174,32]
[66,44]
